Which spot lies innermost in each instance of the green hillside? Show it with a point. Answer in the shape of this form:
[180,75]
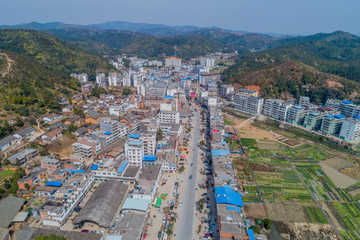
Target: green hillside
[112,42]
[40,67]
[334,57]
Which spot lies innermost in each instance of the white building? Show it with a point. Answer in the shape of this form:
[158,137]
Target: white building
[350,129]
[207,62]
[248,103]
[100,79]
[149,140]
[173,62]
[277,109]
[169,116]
[113,79]
[212,101]
[296,115]
[225,90]
[134,151]
[141,90]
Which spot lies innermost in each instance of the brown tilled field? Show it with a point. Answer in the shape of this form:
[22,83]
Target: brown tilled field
[286,213]
[338,163]
[306,231]
[255,211]
[256,167]
[62,147]
[338,178]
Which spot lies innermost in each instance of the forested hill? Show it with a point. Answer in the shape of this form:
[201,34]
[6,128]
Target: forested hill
[35,67]
[337,54]
[115,42]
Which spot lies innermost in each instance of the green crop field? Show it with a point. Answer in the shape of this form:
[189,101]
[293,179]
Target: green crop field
[320,184]
[282,186]
[6,173]
[316,215]
[248,142]
[278,161]
[252,195]
[304,152]
[350,235]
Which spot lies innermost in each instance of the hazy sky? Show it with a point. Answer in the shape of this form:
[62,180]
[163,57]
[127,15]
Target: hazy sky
[275,16]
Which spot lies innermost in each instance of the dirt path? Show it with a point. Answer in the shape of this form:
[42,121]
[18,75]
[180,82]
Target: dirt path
[9,63]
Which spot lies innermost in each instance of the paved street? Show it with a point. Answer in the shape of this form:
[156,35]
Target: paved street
[185,226]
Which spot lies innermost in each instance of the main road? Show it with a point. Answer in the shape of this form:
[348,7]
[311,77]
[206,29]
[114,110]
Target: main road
[184,228]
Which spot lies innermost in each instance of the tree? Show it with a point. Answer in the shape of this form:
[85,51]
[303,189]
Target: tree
[27,186]
[1,190]
[126,91]
[6,162]
[126,62]
[19,122]
[96,92]
[23,111]
[202,143]
[53,104]
[71,128]
[181,169]
[7,184]
[267,223]
[169,232]
[159,135]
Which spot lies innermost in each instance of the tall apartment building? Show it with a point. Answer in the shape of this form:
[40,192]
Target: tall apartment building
[313,121]
[84,151]
[225,90]
[110,127]
[141,90]
[333,103]
[95,145]
[207,62]
[100,79]
[350,129]
[331,124]
[296,115]
[134,151]
[166,116]
[113,79]
[173,62]
[276,108]
[149,140]
[248,103]
[82,77]
[303,101]
[347,108]
[205,78]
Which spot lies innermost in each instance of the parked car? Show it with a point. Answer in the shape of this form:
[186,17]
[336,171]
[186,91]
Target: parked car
[190,177]
[162,184]
[85,230]
[159,234]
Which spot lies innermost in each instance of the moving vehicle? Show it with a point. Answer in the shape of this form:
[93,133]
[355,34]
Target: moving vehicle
[159,234]
[190,177]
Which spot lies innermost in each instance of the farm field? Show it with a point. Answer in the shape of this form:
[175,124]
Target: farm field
[304,152]
[320,184]
[316,215]
[338,163]
[286,213]
[283,186]
[255,210]
[298,230]
[339,179]
[346,217]
[252,195]
[5,173]
[243,171]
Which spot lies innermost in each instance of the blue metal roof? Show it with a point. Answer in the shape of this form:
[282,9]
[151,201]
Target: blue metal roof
[251,234]
[150,158]
[232,208]
[136,136]
[122,167]
[53,184]
[220,152]
[347,102]
[227,135]
[94,167]
[107,133]
[80,171]
[135,143]
[339,116]
[226,195]
[168,97]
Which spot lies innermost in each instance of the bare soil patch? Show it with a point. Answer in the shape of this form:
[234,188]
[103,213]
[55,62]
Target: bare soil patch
[256,167]
[62,147]
[306,231]
[338,163]
[255,211]
[269,145]
[338,178]
[286,213]
[353,171]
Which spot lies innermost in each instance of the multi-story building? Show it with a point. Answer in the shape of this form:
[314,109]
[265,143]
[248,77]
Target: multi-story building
[173,62]
[331,124]
[82,150]
[333,103]
[110,126]
[149,140]
[100,79]
[169,117]
[303,101]
[134,151]
[82,77]
[296,115]
[225,90]
[350,129]
[207,62]
[247,92]
[277,109]
[206,78]
[313,120]
[347,108]
[141,90]
[113,79]
[56,211]
[50,164]
[248,103]
[87,88]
